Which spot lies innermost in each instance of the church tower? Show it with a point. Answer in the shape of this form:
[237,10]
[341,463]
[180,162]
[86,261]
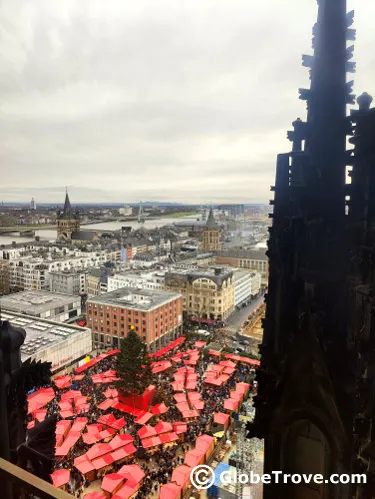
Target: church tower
[67,222]
[211,234]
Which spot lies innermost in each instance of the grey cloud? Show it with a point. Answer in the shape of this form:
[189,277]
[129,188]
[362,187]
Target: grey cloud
[161,100]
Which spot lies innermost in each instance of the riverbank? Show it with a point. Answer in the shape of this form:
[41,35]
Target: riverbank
[22,228]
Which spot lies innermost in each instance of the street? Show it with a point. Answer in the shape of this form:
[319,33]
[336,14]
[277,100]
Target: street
[239,316]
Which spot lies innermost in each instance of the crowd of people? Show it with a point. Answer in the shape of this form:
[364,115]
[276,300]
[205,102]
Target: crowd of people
[159,465]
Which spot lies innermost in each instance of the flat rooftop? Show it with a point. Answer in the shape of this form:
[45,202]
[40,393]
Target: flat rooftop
[136,298]
[35,302]
[40,333]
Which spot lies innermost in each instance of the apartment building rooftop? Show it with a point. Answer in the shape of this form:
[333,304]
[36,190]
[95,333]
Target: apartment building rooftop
[217,274]
[250,254]
[35,302]
[137,298]
[41,334]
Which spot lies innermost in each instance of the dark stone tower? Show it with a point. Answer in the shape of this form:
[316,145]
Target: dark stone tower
[315,399]
[68,221]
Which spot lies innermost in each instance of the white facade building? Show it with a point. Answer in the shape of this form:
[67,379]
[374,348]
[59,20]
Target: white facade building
[48,341]
[68,282]
[246,285]
[146,280]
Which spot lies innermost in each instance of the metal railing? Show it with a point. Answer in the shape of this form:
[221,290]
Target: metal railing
[17,483]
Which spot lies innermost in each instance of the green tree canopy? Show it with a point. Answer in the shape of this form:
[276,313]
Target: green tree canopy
[133,365]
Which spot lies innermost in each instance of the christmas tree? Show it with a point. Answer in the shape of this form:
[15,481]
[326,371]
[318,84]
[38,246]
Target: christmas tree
[133,365]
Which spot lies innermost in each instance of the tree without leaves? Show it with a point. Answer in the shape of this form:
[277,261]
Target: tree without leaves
[133,365]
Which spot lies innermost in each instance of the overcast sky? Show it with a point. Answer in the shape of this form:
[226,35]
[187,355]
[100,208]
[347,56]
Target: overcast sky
[168,100]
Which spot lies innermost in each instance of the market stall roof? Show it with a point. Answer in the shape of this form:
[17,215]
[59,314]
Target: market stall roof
[230,404]
[180,397]
[94,361]
[98,450]
[190,414]
[68,443]
[198,405]
[120,441]
[63,382]
[146,431]
[178,386]
[194,396]
[183,406]
[159,367]
[163,427]
[78,377]
[204,442]
[214,353]
[106,404]
[191,385]
[125,492]
[118,424]
[170,491]
[83,464]
[65,405]
[71,394]
[220,418]
[181,475]
[40,415]
[168,437]
[134,471]
[200,344]
[95,495]
[123,452]
[160,409]
[144,418]
[106,419]
[79,424]
[150,442]
[193,457]
[111,482]
[111,393]
[180,427]
[60,477]
[94,428]
[39,399]
[103,461]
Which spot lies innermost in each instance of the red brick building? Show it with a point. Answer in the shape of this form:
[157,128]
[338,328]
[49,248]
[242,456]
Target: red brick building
[155,314]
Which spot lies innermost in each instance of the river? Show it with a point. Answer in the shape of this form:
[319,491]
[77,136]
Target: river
[50,234]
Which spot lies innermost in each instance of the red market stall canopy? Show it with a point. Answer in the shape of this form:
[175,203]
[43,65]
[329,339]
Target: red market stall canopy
[150,442]
[93,438]
[71,394]
[146,432]
[63,382]
[194,457]
[181,475]
[205,443]
[163,427]
[40,415]
[106,404]
[214,353]
[83,464]
[123,452]
[112,482]
[107,377]
[94,361]
[170,491]
[94,428]
[60,477]
[143,418]
[198,405]
[180,427]
[178,386]
[103,461]
[180,397]
[244,360]
[68,444]
[39,399]
[170,347]
[165,438]
[111,421]
[159,367]
[159,409]
[200,344]
[221,418]
[231,404]
[95,494]
[78,377]
[111,393]
[194,396]
[191,414]
[121,440]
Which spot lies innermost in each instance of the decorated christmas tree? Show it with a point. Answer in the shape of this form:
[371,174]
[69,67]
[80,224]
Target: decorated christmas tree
[133,365]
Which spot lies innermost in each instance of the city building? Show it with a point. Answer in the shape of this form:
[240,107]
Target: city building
[127,211]
[68,225]
[32,204]
[211,234]
[246,286]
[207,293]
[4,277]
[141,280]
[43,304]
[47,341]
[71,282]
[27,274]
[246,259]
[155,315]
[233,210]
[97,280]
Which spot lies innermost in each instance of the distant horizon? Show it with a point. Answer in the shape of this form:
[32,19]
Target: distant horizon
[159,203]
